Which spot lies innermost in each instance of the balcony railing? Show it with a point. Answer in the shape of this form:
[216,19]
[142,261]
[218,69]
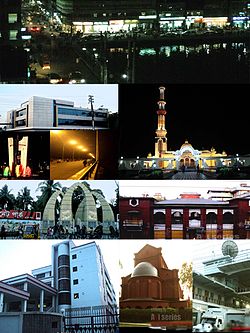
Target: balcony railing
[132,223]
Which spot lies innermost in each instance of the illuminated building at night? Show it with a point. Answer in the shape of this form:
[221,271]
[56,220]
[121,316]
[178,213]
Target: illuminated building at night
[13,58]
[108,15]
[187,156]
[10,22]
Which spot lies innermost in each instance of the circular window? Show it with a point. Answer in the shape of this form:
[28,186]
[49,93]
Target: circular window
[134,202]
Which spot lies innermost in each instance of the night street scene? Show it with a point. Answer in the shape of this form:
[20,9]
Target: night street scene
[182,138]
[24,155]
[58,210]
[132,41]
[83,154]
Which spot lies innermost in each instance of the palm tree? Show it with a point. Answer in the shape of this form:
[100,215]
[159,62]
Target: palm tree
[47,187]
[24,199]
[7,200]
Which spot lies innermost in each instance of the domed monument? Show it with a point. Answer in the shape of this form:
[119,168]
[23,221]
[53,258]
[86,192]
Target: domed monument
[151,284]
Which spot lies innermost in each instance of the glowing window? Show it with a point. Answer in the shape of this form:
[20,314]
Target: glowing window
[13,34]
[12,18]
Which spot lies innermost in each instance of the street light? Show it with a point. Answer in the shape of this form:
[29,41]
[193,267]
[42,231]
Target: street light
[73,143]
[81,148]
[59,133]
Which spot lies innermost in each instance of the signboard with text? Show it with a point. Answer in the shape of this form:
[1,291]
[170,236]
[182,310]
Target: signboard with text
[19,215]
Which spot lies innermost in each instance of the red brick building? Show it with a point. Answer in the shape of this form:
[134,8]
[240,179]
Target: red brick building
[189,216]
[152,284]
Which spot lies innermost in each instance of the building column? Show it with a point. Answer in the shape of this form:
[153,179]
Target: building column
[219,232]
[168,224]
[203,222]
[54,303]
[41,300]
[1,301]
[24,305]
[25,302]
[185,223]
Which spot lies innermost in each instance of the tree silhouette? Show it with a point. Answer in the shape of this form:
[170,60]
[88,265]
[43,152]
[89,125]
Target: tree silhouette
[47,187]
[7,200]
[24,199]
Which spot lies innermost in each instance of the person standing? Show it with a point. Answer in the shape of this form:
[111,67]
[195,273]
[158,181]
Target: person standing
[198,169]
[3,232]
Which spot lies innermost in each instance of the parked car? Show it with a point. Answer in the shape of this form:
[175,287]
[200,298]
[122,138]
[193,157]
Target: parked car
[54,78]
[46,64]
[76,77]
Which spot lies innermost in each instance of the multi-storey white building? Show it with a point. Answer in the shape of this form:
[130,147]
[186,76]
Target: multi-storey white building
[46,113]
[76,286]
[79,274]
[222,281]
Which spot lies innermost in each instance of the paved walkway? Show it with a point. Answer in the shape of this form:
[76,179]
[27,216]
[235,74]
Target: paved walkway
[189,175]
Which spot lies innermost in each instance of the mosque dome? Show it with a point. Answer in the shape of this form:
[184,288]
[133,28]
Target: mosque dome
[145,269]
[186,144]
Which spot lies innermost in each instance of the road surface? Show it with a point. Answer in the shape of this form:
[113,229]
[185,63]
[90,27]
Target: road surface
[65,170]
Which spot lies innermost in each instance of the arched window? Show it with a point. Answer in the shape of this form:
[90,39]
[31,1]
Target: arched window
[211,218]
[177,218]
[228,218]
[159,218]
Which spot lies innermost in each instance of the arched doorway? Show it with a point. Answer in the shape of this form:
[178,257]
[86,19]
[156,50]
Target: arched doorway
[228,224]
[187,159]
[211,225]
[159,224]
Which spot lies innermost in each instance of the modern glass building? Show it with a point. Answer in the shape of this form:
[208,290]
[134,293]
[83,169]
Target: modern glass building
[45,113]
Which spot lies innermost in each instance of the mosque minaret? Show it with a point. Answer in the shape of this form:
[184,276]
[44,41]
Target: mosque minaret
[161,132]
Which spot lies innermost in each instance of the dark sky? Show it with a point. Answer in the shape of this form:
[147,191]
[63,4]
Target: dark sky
[205,115]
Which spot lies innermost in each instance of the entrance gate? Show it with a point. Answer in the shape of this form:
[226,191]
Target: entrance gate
[98,319]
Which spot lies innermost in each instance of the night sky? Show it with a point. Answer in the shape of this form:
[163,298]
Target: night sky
[205,115]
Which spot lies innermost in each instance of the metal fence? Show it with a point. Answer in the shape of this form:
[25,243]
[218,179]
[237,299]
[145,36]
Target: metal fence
[97,319]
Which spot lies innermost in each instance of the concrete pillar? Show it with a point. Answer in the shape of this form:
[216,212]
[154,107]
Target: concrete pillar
[25,302]
[41,300]
[54,303]
[24,306]
[1,301]
[25,286]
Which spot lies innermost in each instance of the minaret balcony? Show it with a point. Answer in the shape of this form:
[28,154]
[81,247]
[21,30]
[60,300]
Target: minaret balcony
[161,133]
[161,112]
